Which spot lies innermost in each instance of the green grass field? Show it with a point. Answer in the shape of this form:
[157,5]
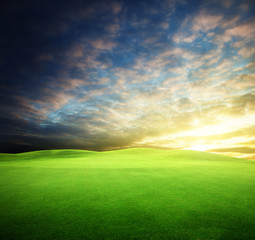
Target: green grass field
[131,194]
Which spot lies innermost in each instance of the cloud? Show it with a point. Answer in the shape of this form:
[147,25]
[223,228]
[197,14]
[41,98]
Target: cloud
[244,7]
[50,100]
[189,39]
[246,102]
[112,28]
[77,52]
[116,7]
[104,80]
[245,31]
[164,25]
[230,22]
[210,34]
[250,66]
[205,22]
[151,40]
[67,84]
[103,44]
[240,82]
[227,3]
[92,93]
[167,58]
[247,52]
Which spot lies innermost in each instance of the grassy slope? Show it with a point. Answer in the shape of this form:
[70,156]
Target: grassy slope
[126,194]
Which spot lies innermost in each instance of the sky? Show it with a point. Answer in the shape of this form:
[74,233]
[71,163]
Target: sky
[105,75]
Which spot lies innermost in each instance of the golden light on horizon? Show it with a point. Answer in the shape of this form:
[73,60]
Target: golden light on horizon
[207,137]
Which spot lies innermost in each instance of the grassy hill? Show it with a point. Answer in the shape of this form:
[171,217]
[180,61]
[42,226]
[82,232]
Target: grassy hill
[130,194]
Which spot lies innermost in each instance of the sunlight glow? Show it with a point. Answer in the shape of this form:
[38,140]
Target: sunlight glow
[228,124]
[207,137]
[201,148]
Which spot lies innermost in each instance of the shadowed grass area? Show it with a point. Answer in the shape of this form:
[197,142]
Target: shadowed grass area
[126,194]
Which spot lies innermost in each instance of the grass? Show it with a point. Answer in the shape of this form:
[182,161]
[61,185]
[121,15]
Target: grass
[131,194]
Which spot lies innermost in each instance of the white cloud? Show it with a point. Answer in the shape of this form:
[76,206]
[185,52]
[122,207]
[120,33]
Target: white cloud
[189,39]
[205,22]
[246,52]
[230,23]
[241,82]
[245,31]
[210,34]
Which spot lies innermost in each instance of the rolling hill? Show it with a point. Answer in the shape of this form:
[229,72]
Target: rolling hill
[130,194]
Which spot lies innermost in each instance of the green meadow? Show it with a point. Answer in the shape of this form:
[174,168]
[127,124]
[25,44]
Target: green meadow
[132,194]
